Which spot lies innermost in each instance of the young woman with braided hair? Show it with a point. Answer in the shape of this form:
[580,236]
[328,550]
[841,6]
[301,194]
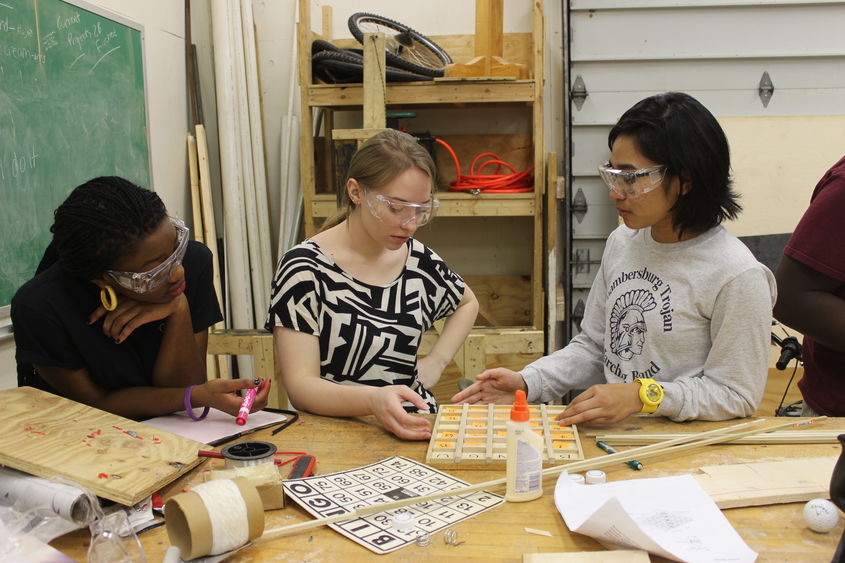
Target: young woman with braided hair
[117,314]
[678,319]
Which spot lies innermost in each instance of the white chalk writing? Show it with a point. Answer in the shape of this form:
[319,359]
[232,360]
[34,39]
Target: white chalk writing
[49,41]
[15,52]
[64,23]
[103,42]
[19,164]
[79,39]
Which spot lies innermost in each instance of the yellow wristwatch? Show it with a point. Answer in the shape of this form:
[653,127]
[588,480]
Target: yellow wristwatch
[651,394]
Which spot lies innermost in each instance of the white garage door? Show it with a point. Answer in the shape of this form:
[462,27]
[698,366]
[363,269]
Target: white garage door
[778,61]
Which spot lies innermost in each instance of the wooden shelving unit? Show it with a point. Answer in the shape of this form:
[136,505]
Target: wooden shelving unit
[320,199]
[451,205]
[438,92]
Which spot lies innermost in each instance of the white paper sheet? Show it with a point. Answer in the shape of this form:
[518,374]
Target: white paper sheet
[668,516]
[216,428]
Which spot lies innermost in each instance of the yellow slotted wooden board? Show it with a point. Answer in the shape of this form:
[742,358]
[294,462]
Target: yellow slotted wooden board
[475,436]
[117,458]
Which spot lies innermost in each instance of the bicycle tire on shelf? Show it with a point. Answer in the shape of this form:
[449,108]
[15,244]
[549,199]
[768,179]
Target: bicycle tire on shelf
[344,67]
[319,45]
[322,45]
[408,49]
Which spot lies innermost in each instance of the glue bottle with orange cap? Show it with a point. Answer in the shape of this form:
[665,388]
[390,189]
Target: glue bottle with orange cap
[525,455]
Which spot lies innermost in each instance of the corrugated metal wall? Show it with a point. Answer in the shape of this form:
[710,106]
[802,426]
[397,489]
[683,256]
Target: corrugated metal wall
[622,51]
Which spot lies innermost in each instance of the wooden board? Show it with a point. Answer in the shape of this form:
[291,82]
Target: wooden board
[117,458]
[516,46]
[767,482]
[475,436]
[473,78]
[505,300]
[618,556]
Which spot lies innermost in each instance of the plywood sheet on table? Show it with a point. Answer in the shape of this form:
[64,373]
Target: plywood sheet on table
[618,556]
[117,458]
[767,482]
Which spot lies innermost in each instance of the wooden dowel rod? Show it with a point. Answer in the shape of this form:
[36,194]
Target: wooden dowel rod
[196,203]
[675,445]
[210,234]
[375,93]
[672,446]
[782,437]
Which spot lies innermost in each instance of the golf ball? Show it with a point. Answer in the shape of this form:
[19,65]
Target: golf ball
[821,515]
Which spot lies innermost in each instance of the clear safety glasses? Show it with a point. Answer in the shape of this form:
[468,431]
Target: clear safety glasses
[142,282]
[400,213]
[632,183]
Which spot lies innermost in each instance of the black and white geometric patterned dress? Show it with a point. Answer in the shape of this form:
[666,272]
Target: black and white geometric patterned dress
[369,334]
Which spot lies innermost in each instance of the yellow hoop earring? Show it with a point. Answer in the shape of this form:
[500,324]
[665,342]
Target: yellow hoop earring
[108,298]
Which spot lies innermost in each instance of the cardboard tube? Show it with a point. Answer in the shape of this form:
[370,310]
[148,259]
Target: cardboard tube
[189,525]
[254,507]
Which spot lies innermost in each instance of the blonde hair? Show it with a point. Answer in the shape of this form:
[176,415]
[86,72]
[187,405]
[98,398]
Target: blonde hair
[377,162]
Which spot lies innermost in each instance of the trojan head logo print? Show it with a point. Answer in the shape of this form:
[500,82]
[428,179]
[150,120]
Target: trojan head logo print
[627,323]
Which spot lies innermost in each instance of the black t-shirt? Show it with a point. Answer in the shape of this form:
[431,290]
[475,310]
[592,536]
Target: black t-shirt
[50,319]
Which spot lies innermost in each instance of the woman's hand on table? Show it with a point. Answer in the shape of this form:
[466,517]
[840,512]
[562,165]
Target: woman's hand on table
[386,405]
[603,404]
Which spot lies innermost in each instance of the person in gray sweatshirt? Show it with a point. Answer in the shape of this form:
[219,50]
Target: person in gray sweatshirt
[678,319]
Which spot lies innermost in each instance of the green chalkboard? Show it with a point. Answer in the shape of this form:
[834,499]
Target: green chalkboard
[72,107]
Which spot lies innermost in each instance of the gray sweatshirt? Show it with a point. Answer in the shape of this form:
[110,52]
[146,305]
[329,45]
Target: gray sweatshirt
[694,315]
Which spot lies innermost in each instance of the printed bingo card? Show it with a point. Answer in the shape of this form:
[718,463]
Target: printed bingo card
[392,479]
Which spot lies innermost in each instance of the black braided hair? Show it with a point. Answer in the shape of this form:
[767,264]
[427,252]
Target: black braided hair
[99,223]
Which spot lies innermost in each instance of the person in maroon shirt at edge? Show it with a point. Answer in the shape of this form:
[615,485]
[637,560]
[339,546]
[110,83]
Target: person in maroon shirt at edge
[811,294]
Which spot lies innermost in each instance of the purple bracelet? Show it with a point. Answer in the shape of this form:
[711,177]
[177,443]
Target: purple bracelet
[190,409]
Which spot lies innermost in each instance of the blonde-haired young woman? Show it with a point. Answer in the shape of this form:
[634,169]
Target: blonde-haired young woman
[349,305]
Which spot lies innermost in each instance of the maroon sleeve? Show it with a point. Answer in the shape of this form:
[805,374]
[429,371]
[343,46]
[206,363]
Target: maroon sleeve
[819,239]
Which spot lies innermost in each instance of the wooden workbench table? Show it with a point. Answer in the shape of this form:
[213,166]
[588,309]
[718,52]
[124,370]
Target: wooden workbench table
[776,532]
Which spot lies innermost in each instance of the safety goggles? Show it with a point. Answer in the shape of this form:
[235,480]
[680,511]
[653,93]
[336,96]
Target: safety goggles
[142,282]
[632,183]
[400,213]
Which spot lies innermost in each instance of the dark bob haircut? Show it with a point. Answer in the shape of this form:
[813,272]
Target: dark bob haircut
[675,130]
[99,223]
